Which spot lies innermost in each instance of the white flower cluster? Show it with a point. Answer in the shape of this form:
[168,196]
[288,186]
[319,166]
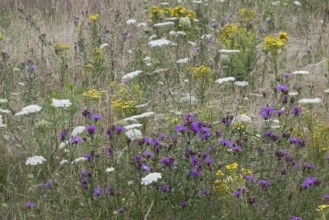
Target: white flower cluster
[226,79]
[228,51]
[144,115]
[134,134]
[35,160]
[131,75]
[309,101]
[182,61]
[241,119]
[160,43]
[78,130]
[29,109]
[151,178]
[163,24]
[300,72]
[61,103]
[2,125]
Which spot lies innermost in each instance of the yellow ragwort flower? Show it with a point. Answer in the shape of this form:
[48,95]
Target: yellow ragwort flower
[232,166]
[322,207]
[219,173]
[94,17]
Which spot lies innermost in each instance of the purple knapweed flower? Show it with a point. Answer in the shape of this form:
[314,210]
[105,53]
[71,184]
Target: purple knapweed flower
[119,129]
[76,140]
[165,161]
[195,172]
[204,192]
[325,197]
[264,183]
[308,182]
[84,183]
[63,134]
[252,200]
[226,143]
[110,191]
[287,75]
[145,167]
[236,149]
[148,154]
[48,184]
[184,204]
[195,161]
[249,177]
[267,112]
[208,161]
[297,111]
[165,188]
[91,129]
[29,205]
[120,210]
[86,113]
[110,151]
[96,117]
[282,88]
[309,166]
[180,128]
[98,191]
[296,218]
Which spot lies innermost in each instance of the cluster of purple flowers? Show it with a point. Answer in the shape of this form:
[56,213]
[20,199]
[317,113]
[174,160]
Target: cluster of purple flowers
[308,182]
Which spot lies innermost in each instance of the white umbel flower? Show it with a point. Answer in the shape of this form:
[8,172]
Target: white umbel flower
[160,43]
[109,169]
[293,93]
[35,160]
[29,109]
[297,3]
[182,61]
[61,103]
[228,51]
[134,134]
[309,101]
[241,119]
[78,130]
[142,25]
[103,45]
[63,144]
[4,111]
[79,159]
[241,83]
[226,79]
[151,178]
[276,3]
[131,75]
[164,24]
[133,126]
[63,162]
[301,72]
[326,91]
[131,21]
[144,115]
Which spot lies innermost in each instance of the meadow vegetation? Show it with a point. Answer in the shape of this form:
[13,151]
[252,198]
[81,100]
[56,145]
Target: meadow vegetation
[182,109]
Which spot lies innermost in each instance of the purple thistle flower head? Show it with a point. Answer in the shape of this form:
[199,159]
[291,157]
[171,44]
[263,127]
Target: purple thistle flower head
[287,75]
[96,117]
[63,134]
[282,88]
[280,154]
[29,205]
[226,143]
[252,200]
[296,218]
[267,112]
[264,183]
[219,133]
[165,161]
[91,129]
[84,173]
[309,166]
[84,183]
[180,128]
[195,161]
[213,25]
[119,129]
[86,113]
[249,178]
[184,204]
[237,193]
[204,192]
[98,191]
[110,151]
[48,184]
[227,120]
[308,182]
[148,141]
[195,172]
[148,154]
[137,157]
[208,161]
[297,111]
[110,191]
[145,167]
[165,188]
[236,149]
[88,156]
[189,118]
[120,210]
[76,140]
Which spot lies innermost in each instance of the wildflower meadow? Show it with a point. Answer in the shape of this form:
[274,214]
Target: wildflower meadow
[177,109]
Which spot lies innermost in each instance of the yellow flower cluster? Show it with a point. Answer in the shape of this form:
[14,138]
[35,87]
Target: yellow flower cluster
[274,43]
[122,104]
[201,72]
[232,166]
[93,93]
[226,185]
[247,14]
[60,46]
[98,54]
[178,12]
[322,207]
[228,31]
[94,17]
[1,36]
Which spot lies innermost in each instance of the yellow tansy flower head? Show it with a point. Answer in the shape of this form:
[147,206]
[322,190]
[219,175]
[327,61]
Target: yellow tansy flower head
[232,166]
[94,17]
